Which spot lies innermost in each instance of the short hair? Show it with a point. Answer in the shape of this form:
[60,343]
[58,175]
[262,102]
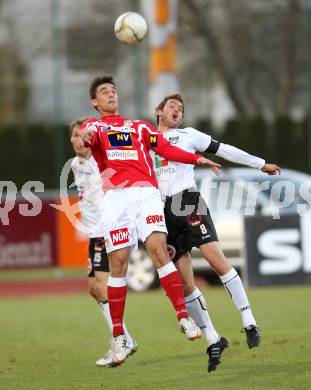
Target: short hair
[77,122]
[99,81]
[175,96]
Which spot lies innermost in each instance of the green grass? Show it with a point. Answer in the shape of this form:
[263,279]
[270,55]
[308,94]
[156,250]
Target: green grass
[40,274]
[53,343]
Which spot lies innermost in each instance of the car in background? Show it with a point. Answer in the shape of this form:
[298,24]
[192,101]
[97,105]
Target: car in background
[230,197]
[235,194]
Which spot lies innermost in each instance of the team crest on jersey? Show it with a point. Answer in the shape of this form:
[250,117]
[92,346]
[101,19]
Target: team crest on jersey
[128,123]
[153,139]
[117,140]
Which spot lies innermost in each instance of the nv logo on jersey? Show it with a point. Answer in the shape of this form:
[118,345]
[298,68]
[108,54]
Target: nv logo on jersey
[153,139]
[120,139]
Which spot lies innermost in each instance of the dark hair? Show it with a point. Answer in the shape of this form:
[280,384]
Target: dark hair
[77,122]
[99,81]
[175,96]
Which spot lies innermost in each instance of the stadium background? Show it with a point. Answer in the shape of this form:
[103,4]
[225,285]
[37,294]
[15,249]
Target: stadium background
[250,78]
[244,69]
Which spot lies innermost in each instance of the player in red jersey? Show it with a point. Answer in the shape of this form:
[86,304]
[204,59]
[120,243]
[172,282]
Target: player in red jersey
[88,181]
[132,207]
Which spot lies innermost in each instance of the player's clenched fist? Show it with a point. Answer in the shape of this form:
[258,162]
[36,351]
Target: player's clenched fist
[87,136]
[271,169]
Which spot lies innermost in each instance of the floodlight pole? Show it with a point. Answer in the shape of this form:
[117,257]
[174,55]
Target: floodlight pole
[136,54]
[57,88]
[307,11]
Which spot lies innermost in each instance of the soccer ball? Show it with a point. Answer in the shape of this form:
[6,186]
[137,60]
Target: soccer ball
[130,27]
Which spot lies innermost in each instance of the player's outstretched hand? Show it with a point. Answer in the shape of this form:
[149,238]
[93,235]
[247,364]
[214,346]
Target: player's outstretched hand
[214,166]
[271,169]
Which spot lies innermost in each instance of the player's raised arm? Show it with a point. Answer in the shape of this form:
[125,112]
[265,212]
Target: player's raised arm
[236,155]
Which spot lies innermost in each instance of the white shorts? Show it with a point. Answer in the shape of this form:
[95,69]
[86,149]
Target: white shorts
[131,214]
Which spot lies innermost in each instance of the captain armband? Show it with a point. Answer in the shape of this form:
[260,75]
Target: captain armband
[213,147]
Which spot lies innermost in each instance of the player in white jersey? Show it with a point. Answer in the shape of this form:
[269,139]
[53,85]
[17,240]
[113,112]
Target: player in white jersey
[89,185]
[196,228]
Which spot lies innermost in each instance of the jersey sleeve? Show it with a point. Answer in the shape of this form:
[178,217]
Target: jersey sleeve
[74,167]
[204,142]
[199,141]
[156,142]
[231,153]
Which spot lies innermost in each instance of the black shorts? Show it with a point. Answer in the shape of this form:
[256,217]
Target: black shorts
[98,258]
[190,230]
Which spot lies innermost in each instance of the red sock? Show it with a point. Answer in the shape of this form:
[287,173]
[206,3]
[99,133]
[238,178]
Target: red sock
[116,298]
[174,290]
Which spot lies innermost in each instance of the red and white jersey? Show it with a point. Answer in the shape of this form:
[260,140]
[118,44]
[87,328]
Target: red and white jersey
[120,147]
[91,194]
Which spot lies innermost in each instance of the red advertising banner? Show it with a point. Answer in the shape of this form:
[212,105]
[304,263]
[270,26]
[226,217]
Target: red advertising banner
[29,241]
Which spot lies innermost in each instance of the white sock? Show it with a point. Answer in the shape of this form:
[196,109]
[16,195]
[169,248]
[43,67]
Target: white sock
[196,307]
[166,269]
[106,313]
[233,284]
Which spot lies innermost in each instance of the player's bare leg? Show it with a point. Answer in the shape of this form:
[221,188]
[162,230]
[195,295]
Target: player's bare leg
[118,261]
[92,288]
[233,284]
[170,281]
[197,309]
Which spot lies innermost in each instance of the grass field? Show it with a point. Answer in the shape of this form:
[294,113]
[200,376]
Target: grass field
[53,343]
[52,273]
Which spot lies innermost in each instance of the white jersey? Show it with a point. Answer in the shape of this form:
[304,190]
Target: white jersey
[91,194]
[175,177]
